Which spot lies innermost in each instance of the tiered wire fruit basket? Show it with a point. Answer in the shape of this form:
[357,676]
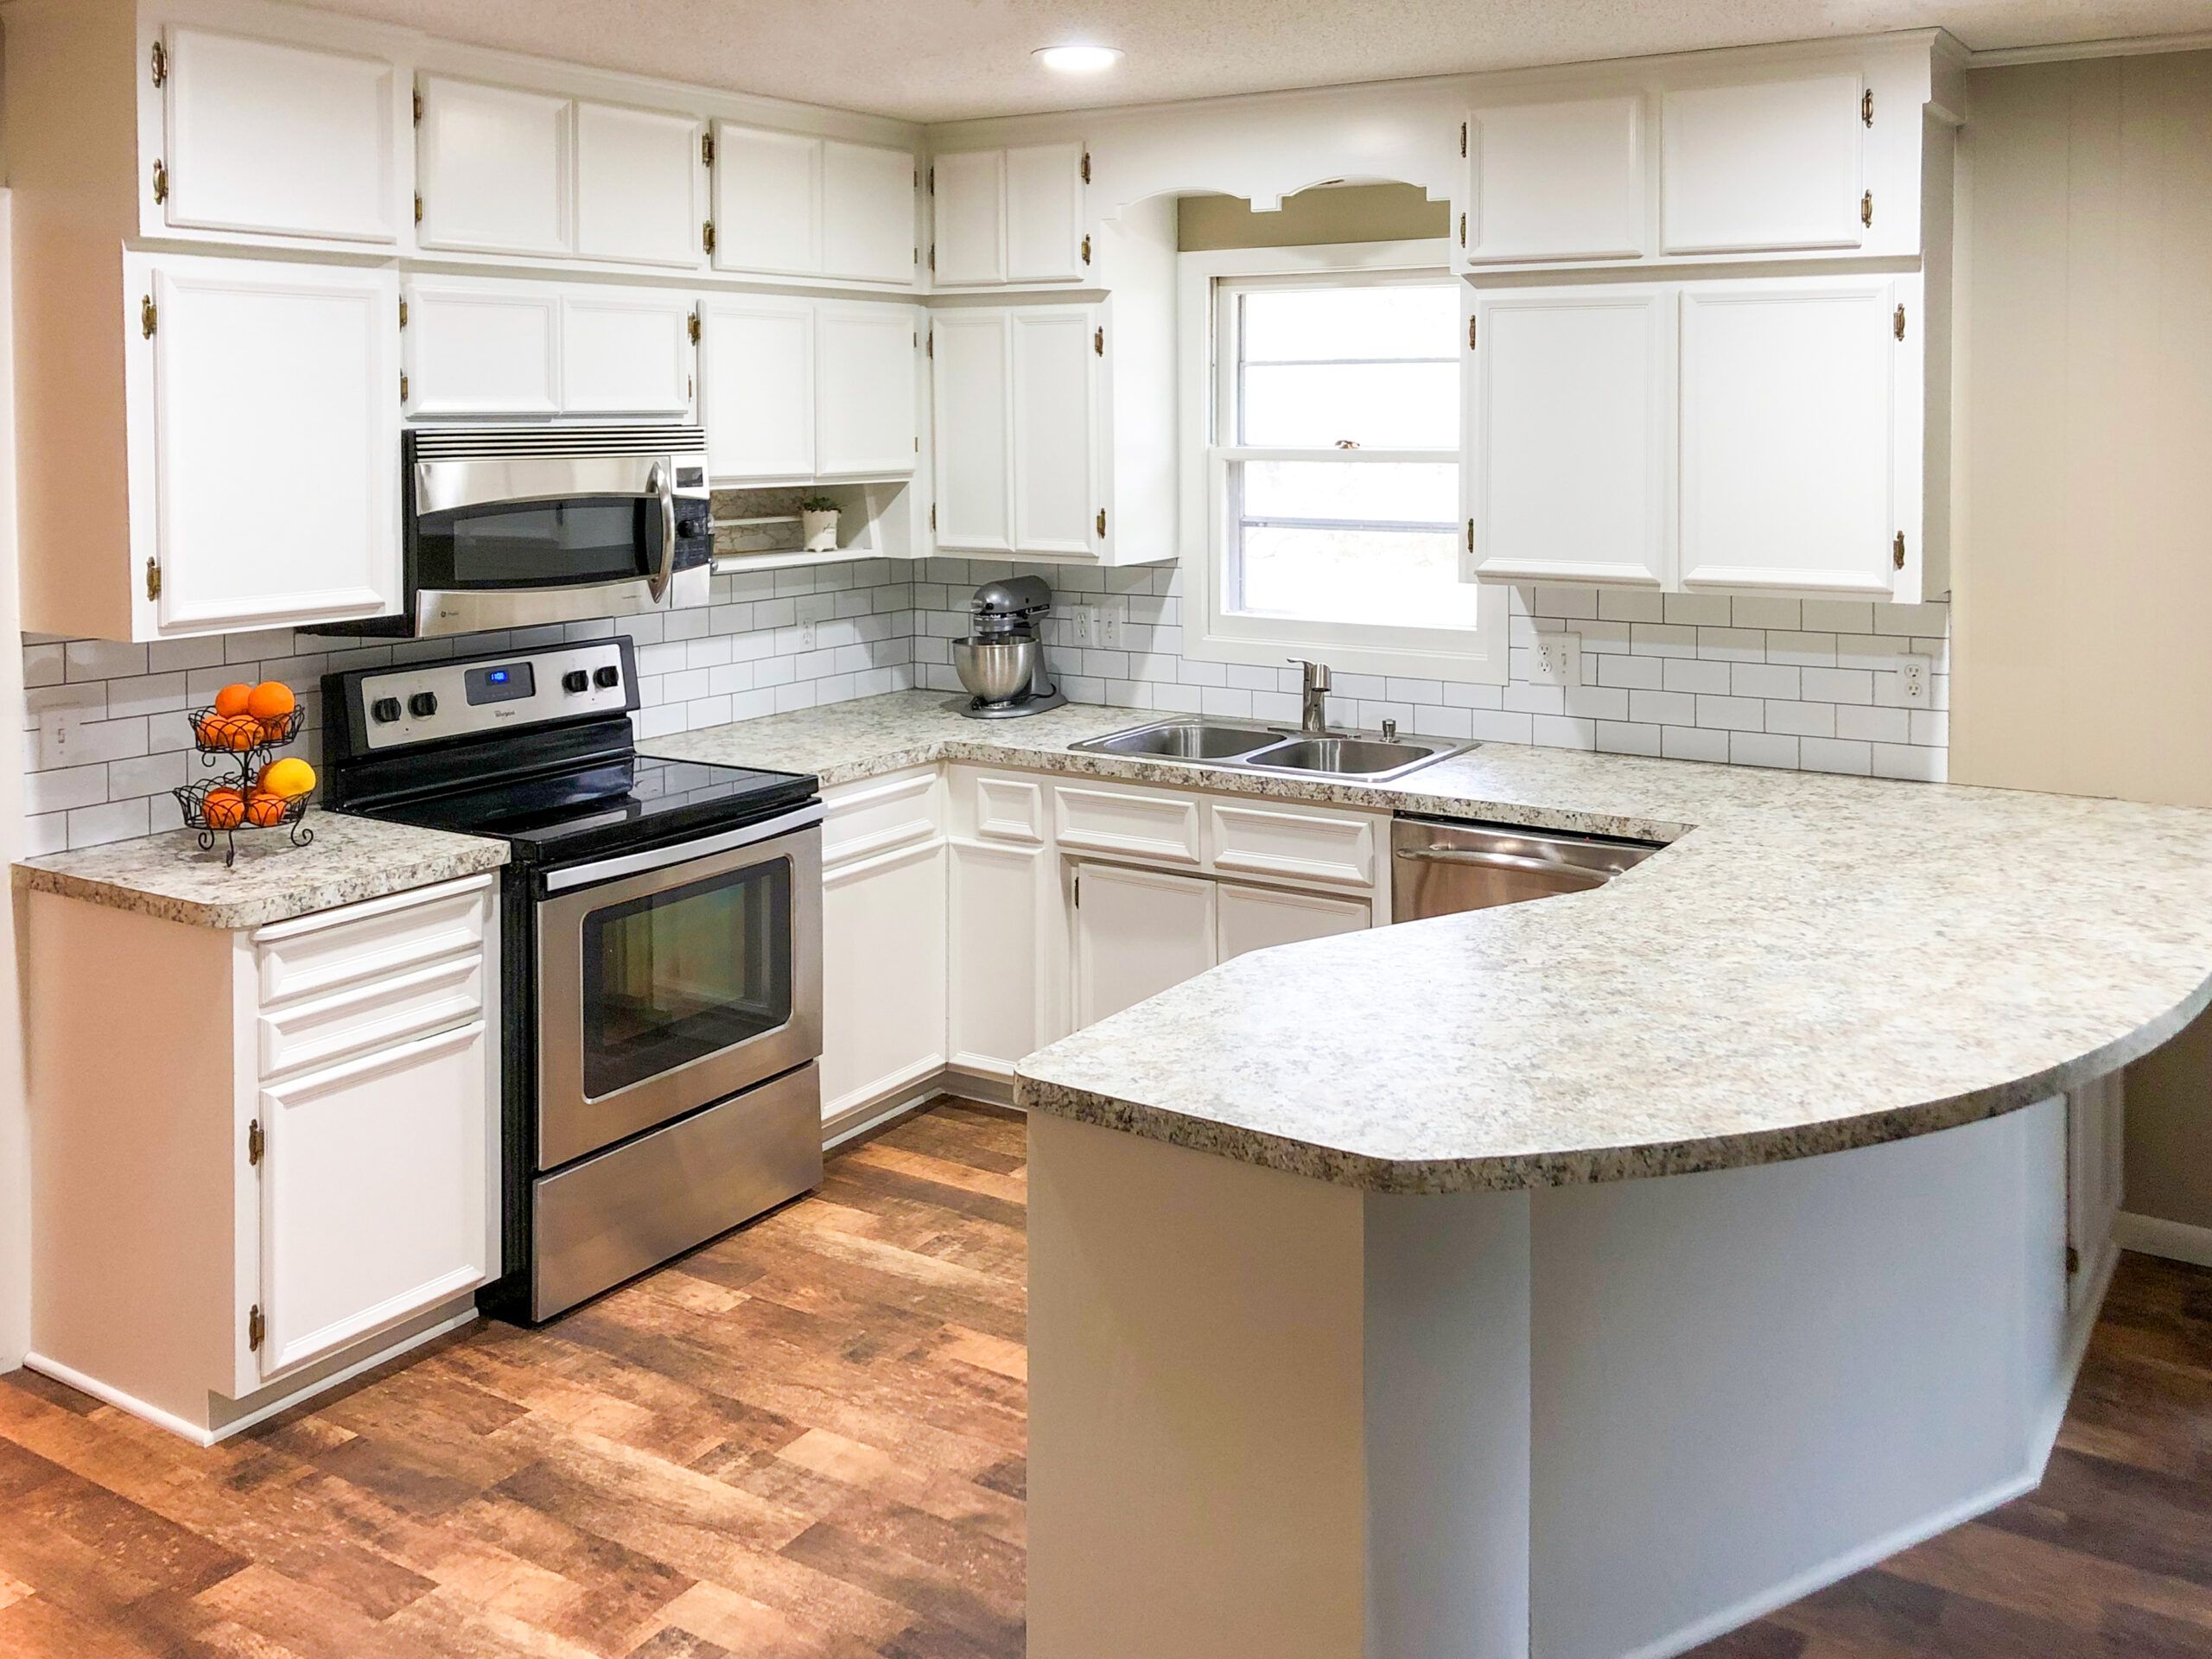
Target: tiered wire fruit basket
[219,807]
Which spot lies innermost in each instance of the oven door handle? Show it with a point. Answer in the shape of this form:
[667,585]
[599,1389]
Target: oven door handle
[662,481]
[684,852]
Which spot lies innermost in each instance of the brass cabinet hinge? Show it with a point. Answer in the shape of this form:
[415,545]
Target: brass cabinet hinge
[931,347]
[1098,341]
[149,317]
[418,206]
[1463,140]
[707,236]
[402,310]
[418,106]
[1463,230]
[706,149]
[696,327]
[933,178]
[1102,521]
[1471,535]
[153,578]
[1897,552]
[2073,1260]
[253,1141]
[1897,323]
[402,386]
[1086,249]
[932,256]
[1078,886]
[1086,167]
[161,182]
[256,1328]
[1471,331]
[1866,209]
[1866,108]
[932,516]
[161,64]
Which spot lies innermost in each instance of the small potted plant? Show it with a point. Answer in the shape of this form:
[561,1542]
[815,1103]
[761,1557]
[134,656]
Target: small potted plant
[817,523]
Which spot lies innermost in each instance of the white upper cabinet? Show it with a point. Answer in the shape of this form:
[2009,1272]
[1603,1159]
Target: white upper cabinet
[1562,180]
[867,212]
[1765,166]
[767,200]
[756,388]
[496,168]
[1789,443]
[266,137]
[625,350]
[971,360]
[1055,496]
[1003,217]
[865,420]
[638,186]
[482,348]
[265,443]
[1569,434]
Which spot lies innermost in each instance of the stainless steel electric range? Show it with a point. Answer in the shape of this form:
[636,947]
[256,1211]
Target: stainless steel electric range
[661,953]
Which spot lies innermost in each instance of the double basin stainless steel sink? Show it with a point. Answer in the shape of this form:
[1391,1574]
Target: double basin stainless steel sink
[1248,746]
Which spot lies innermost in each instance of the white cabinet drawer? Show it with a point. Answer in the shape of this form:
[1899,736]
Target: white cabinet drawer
[1297,846]
[1162,827]
[864,819]
[373,1015]
[317,954]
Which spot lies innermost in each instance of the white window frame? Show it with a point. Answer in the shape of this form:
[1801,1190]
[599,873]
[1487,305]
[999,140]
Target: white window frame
[1211,632]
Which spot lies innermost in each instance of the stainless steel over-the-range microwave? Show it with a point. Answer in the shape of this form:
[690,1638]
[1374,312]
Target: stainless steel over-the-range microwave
[512,527]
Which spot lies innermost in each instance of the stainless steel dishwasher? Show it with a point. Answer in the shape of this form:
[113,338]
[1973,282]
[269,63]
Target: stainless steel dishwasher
[1439,867]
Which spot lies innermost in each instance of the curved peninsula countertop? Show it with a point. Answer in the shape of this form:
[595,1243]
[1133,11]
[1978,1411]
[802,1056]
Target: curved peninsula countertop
[1814,963]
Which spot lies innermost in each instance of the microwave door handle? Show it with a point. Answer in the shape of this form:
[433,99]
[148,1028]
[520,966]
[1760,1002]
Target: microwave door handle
[662,481]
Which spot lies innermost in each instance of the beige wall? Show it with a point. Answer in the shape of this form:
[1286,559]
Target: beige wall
[1359,212]
[2081,653]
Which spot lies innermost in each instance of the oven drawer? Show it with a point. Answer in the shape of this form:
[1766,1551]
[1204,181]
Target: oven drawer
[634,1207]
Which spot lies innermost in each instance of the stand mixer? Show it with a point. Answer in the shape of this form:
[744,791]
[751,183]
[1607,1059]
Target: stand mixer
[1001,662]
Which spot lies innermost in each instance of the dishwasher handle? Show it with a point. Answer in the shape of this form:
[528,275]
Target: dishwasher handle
[1491,861]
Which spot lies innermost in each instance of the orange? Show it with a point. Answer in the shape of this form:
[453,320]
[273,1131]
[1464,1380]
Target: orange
[266,809]
[234,699]
[223,809]
[227,732]
[272,700]
[288,778]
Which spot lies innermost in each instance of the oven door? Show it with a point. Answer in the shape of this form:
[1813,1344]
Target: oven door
[671,979]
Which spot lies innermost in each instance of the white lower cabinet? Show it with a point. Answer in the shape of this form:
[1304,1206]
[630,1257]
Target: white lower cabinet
[883,976]
[1254,918]
[1136,932]
[2096,1122]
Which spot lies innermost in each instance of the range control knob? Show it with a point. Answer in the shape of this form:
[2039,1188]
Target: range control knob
[574,680]
[609,675]
[423,704]
[385,710]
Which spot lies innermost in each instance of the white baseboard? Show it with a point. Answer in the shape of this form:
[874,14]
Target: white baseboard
[71,1377]
[2177,1241]
[856,1120]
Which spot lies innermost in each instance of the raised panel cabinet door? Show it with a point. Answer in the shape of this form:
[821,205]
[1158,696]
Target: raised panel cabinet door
[883,976]
[1786,448]
[767,200]
[1000,979]
[374,1183]
[482,348]
[1555,181]
[496,165]
[1043,213]
[867,212]
[265,137]
[265,431]
[968,215]
[1569,428]
[864,410]
[756,388]
[638,187]
[1764,165]
[1055,491]
[1136,933]
[625,352]
[1253,918]
[971,360]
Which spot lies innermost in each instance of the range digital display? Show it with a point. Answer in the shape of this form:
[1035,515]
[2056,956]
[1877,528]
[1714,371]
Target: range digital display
[501,683]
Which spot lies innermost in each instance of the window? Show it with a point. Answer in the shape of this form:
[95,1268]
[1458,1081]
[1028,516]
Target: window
[1333,404]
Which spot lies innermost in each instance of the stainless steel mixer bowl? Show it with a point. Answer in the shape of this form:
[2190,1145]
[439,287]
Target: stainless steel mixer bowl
[997,670]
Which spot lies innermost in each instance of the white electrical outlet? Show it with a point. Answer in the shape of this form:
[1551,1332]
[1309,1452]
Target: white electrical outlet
[1912,681]
[1083,619]
[1559,658]
[1108,628]
[806,633]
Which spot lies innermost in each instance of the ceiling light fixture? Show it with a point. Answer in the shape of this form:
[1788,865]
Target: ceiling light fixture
[1078,60]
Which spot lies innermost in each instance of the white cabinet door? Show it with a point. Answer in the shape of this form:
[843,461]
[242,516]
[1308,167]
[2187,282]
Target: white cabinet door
[970,364]
[756,388]
[1044,214]
[2095,1179]
[867,212]
[286,140]
[495,165]
[1007,965]
[1786,448]
[968,206]
[883,976]
[1136,933]
[1055,492]
[1770,164]
[482,348]
[374,1187]
[1569,434]
[264,431]
[767,200]
[638,187]
[864,408]
[625,352]
[1252,919]
[1555,181]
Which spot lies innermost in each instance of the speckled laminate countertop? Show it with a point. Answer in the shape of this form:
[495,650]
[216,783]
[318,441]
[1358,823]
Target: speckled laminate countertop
[350,859]
[1815,964]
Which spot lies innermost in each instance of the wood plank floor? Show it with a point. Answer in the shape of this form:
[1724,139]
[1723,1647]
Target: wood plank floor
[808,1439]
